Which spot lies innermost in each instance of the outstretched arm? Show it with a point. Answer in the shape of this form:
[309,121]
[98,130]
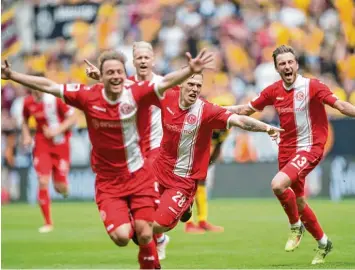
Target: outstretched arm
[34,82]
[345,108]
[244,109]
[196,65]
[251,124]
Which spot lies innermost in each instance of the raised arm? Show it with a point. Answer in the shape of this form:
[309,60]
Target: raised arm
[345,108]
[244,109]
[34,82]
[196,65]
[251,124]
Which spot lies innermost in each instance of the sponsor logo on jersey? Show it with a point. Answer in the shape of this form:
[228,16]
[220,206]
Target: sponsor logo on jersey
[99,108]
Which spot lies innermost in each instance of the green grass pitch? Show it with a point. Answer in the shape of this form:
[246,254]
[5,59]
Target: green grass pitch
[254,237]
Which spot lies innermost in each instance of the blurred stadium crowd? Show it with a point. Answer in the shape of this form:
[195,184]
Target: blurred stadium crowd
[243,34]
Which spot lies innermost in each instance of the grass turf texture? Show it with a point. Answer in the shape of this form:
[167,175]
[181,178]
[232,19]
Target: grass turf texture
[255,234]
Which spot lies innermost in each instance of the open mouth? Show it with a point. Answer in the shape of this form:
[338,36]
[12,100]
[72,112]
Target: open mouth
[288,75]
[143,67]
[192,95]
[116,84]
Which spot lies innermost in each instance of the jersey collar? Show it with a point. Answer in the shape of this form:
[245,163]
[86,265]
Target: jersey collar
[111,102]
[294,85]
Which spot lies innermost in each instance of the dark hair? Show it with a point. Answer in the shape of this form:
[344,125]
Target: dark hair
[112,55]
[281,50]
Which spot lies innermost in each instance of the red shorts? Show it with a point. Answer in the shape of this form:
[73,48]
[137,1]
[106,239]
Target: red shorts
[175,199]
[56,160]
[118,197]
[297,167]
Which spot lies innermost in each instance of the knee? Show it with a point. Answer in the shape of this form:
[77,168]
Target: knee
[280,183]
[144,232]
[301,203]
[277,187]
[121,239]
[43,182]
[61,187]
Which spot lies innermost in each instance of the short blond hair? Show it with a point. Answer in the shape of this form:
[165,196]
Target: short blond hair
[281,50]
[112,55]
[142,45]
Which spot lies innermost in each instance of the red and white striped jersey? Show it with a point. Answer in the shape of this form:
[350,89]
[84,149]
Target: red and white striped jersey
[185,147]
[50,112]
[112,125]
[301,111]
[149,121]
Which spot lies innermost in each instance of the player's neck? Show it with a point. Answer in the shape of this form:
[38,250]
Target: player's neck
[112,96]
[183,104]
[145,78]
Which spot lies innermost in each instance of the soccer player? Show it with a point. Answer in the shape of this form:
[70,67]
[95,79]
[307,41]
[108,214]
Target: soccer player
[188,122]
[123,182]
[299,102]
[51,153]
[201,201]
[149,116]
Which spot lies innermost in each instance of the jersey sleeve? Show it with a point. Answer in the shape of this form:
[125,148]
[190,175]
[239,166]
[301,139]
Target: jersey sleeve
[217,117]
[262,100]
[323,93]
[146,93]
[64,109]
[75,95]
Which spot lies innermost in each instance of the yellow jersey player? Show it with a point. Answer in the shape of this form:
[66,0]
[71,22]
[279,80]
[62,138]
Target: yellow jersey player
[218,137]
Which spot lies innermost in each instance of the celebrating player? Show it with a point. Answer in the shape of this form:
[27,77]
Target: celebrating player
[51,153]
[148,116]
[123,181]
[201,201]
[188,122]
[299,102]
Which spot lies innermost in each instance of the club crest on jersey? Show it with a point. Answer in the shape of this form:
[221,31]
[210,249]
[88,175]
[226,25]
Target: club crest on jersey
[300,96]
[126,108]
[191,119]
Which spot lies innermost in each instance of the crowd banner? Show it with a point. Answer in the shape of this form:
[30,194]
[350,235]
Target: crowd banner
[53,21]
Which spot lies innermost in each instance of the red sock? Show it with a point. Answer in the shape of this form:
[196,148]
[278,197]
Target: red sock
[148,255]
[45,204]
[310,221]
[288,202]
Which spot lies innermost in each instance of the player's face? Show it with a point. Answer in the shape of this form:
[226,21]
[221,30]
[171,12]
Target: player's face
[191,89]
[143,61]
[287,67]
[113,76]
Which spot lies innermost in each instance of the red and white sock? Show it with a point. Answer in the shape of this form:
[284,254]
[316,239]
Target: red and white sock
[288,202]
[148,256]
[45,205]
[312,225]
